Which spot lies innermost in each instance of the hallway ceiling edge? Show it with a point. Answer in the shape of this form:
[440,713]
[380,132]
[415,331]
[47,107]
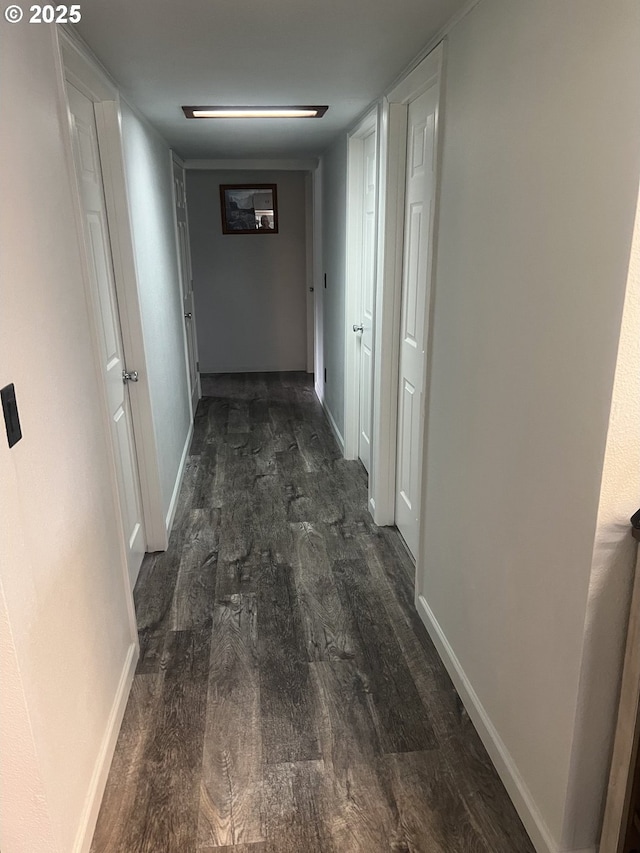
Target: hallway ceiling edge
[166,54]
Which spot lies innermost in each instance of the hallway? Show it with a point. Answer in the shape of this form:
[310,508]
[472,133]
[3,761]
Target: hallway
[287,697]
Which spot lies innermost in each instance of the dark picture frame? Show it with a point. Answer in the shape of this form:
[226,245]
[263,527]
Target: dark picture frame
[249,208]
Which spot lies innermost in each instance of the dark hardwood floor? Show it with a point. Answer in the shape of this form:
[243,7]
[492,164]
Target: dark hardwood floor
[288,698]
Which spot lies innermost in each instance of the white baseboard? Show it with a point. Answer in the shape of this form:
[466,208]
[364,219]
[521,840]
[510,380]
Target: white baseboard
[173,505]
[267,367]
[334,426]
[98,782]
[520,795]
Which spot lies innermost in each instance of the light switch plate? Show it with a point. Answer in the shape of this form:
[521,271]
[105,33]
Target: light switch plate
[10,412]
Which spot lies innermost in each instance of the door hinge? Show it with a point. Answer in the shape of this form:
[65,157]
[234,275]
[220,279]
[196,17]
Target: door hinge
[197,367]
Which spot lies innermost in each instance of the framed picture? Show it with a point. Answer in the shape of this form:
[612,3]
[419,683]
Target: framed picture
[249,208]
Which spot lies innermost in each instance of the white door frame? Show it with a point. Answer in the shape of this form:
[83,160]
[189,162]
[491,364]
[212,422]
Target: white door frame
[391,193]
[353,287]
[318,301]
[174,158]
[82,71]
[309,281]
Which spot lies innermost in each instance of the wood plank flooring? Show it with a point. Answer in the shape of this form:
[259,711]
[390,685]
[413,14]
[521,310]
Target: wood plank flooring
[288,698]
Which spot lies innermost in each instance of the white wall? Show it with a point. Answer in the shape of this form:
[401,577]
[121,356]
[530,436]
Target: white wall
[539,183]
[149,183]
[65,630]
[614,559]
[334,247]
[250,291]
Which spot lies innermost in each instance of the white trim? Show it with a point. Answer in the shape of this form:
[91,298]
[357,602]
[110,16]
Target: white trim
[309,265]
[318,356]
[269,367]
[125,268]
[175,160]
[353,285]
[393,143]
[87,71]
[388,294]
[419,80]
[173,503]
[514,783]
[81,66]
[334,426]
[235,165]
[102,766]
[353,264]
[63,107]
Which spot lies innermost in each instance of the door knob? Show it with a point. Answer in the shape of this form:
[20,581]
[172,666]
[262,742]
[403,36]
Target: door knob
[188,316]
[357,328]
[129,377]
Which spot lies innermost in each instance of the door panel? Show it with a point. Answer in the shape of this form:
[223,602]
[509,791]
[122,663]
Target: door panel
[406,445]
[186,277]
[130,504]
[367,297]
[109,339]
[411,296]
[105,305]
[419,193]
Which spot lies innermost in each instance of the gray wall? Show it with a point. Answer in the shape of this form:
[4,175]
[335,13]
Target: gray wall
[536,214]
[250,291]
[334,235]
[152,221]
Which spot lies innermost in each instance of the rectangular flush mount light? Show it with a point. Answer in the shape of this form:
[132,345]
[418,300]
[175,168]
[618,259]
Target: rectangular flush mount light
[255,112]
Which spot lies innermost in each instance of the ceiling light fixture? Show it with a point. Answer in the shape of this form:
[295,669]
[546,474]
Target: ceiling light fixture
[255,112]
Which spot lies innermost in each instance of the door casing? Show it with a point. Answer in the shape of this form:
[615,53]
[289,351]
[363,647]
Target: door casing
[106,324]
[391,195]
[82,72]
[185,277]
[414,313]
[355,271]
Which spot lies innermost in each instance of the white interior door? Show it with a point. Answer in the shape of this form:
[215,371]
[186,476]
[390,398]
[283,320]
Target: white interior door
[105,306]
[365,350]
[419,205]
[186,276]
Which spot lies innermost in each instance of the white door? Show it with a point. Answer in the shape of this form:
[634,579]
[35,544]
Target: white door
[105,306]
[186,277]
[418,214]
[367,266]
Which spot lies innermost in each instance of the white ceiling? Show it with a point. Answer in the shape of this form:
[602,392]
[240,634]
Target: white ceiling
[166,53]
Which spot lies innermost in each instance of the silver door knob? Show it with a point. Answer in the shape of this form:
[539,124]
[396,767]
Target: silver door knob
[357,328]
[131,376]
[188,316]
